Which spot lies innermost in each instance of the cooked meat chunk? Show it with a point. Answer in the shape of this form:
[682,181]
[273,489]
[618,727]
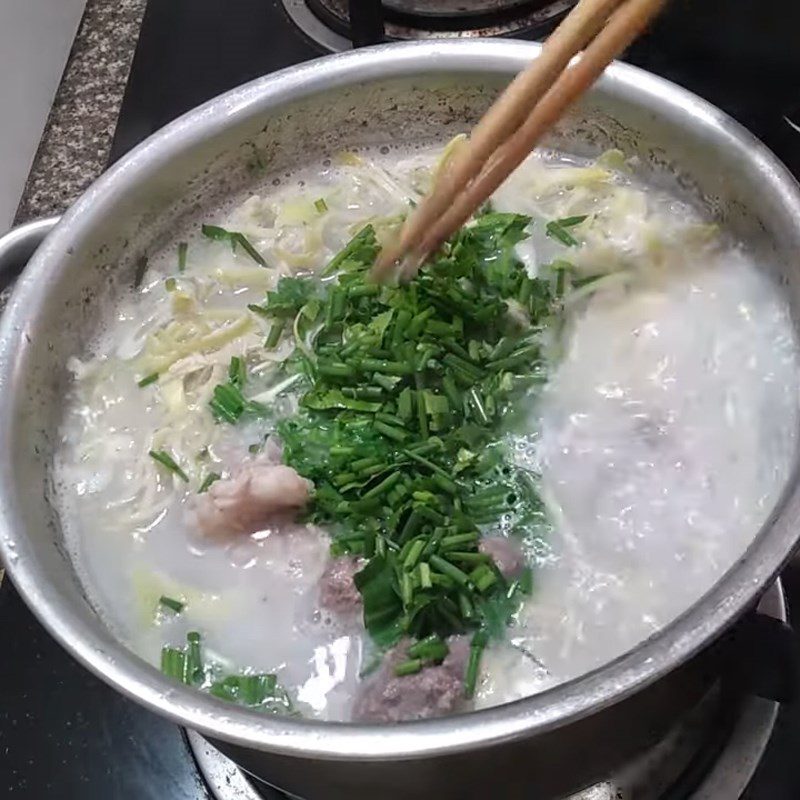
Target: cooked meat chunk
[273,450]
[337,590]
[433,692]
[506,554]
[260,492]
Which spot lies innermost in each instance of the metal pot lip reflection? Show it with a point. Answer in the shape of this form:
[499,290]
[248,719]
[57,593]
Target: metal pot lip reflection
[89,640]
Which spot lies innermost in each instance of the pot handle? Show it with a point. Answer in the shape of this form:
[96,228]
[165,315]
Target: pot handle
[763,658]
[19,244]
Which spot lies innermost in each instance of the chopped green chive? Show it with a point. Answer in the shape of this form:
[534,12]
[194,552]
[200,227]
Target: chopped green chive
[483,577]
[425,575]
[275,331]
[173,663]
[479,641]
[182,250]
[237,372]
[422,409]
[557,229]
[245,244]
[185,664]
[207,481]
[228,403]
[365,290]
[569,222]
[414,554]
[166,460]
[468,558]
[386,382]
[336,370]
[235,238]
[255,689]
[194,663]
[449,570]
[321,205]
[148,379]
[432,648]
[385,367]
[171,604]
[460,539]
[410,667]
[383,486]
[397,434]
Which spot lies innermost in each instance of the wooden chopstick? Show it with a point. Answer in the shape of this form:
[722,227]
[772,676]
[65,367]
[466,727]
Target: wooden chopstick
[507,133]
[506,115]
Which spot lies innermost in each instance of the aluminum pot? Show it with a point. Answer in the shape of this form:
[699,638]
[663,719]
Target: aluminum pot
[541,746]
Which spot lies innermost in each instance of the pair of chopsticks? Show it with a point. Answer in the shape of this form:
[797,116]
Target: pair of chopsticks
[509,130]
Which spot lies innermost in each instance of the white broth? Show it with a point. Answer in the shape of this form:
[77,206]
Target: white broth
[662,438]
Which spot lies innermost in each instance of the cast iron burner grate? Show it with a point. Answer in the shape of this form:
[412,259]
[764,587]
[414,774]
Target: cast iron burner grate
[338,24]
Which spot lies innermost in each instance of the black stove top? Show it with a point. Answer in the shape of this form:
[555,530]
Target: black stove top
[63,733]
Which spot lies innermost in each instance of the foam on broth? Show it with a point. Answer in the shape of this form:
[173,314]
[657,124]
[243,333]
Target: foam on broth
[663,437]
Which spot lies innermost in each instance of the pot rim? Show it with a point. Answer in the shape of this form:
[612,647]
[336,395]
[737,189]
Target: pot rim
[92,644]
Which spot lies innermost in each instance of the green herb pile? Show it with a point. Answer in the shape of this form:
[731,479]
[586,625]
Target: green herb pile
[408,391]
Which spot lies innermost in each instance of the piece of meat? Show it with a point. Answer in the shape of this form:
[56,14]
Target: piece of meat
[337,591]
[433,692]
[273,450]
[259,493]
[506,554]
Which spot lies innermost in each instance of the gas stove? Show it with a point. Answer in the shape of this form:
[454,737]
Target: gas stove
[63,733]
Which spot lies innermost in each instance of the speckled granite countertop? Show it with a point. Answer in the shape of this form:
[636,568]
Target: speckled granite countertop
[76,142]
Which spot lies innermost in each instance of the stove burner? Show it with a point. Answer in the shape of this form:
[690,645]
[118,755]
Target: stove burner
[328,22]
[456,8]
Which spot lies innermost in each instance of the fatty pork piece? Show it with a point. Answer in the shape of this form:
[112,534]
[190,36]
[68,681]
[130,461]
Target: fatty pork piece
[261,492]
[337,590]
[435,691]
